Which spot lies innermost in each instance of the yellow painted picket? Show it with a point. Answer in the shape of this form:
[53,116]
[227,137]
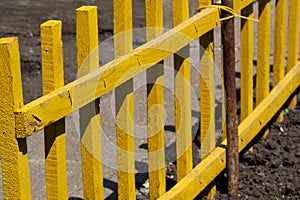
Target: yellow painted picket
[247,50]
[293,38]
[182,97]
[279,44]
[207,94]
[55,136]
[124,102]
[14,155]
[90,144]
[49,111]
[155,104]
[263,52]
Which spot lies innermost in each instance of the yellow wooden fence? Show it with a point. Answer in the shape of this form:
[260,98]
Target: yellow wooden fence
[20,121]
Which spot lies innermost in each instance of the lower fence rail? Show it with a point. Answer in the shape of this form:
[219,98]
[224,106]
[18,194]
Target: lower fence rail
[205,172]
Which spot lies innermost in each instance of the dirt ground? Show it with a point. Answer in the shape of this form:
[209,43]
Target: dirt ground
[270,172]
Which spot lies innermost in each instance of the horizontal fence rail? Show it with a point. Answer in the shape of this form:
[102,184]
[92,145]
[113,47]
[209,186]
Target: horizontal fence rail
[49,112]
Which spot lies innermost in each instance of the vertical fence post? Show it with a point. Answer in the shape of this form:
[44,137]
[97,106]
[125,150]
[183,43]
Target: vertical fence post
[90,131]
[54,135]
[279,44]
[263,52]
[124,98]
[14,155]
[247,62]
[207,94]
[182,97]
[231,107]
[247,43]
[155,104]
[293,39]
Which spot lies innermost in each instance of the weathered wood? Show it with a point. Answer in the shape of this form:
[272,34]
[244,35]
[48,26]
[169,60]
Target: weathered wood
[124,98]
[205,172]
[90,131]
[247,51]
[207,94]
[241,4]
[14,155]
[39,113]
[279,44]
[264,112]
[155,104]
[54,135]
[293,38]
[199,178]
[183,115]
[263,52]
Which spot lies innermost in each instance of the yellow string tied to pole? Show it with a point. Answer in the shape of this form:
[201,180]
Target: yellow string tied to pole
[228,9]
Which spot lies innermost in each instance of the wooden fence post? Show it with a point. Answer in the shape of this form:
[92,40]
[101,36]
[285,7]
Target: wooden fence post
[90,130]
[124,98]
[263,52]
[207,94]
[182,97]
[155,104]
[54,135]
[247,43]
[293,39]
[14,155]
[279,44]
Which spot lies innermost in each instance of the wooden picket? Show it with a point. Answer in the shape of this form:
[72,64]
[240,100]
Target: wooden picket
[155,104]
[87,61]
[55,137]
[182,97]
[48,112]
[15,171]
[124,103]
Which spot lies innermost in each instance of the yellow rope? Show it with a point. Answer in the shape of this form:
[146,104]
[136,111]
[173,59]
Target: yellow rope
[228,9]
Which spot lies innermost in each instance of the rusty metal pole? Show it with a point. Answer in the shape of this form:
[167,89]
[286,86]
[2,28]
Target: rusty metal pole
[231,107]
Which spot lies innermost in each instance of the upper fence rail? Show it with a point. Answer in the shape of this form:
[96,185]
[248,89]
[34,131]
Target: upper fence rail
[39,113]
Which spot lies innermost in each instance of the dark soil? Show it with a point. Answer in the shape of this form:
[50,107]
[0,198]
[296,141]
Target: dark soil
[272,170]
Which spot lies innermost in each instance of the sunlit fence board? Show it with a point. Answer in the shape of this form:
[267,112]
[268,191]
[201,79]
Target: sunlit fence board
[207,94]
[263,52]
[182,97]
[293,38]
[39,113]
[279,44]
[14,155]
[155,104]
[124,98]
[54,135]
[205,172]
[247,43]
[87,61]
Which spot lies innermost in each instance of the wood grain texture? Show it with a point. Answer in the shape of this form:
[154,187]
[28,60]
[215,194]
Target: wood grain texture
[241,4]
[263,52]
[93,85]
[155,104]
[199,178]
[90,131]
[279,44]
[207,94]
[54,135]
[182,97]
[205,172]
[14,155]
[247,50]
[293,39]
[124,98]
